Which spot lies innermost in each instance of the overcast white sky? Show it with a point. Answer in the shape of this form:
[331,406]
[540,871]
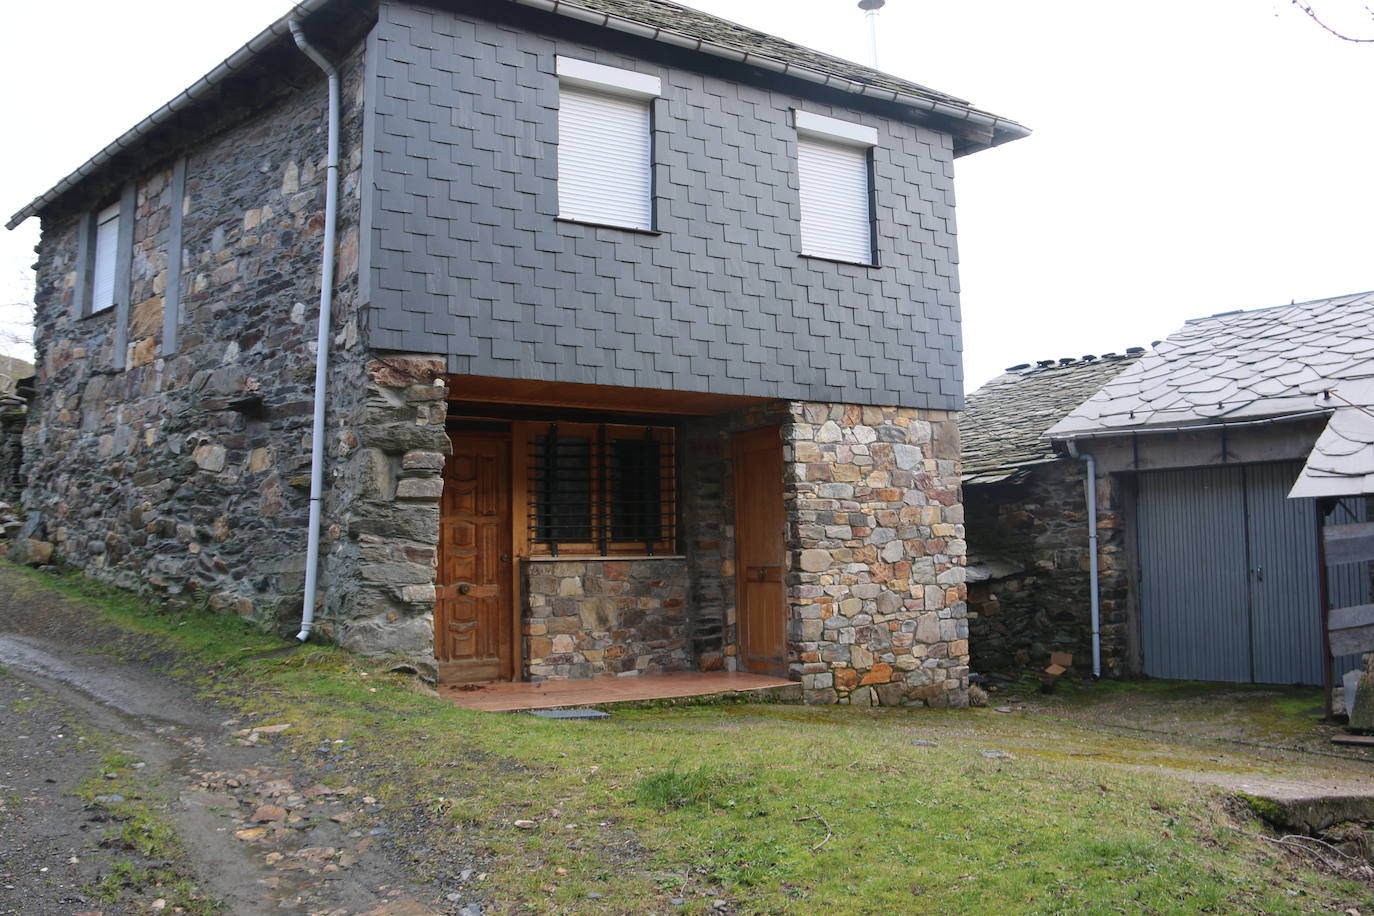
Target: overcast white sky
[1187,158]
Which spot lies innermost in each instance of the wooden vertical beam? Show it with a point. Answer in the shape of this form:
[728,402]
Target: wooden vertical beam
[1324,506]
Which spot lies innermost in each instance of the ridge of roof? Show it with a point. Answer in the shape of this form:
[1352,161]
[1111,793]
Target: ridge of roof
[657,20]
[1273,308]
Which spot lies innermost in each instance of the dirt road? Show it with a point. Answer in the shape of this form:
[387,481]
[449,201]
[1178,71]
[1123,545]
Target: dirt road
[121,792]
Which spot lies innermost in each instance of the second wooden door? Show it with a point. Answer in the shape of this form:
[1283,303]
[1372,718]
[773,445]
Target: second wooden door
[760,550]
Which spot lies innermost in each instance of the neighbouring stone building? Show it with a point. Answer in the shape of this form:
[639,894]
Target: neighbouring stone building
[1029,586]
[643,357]
[1208,553]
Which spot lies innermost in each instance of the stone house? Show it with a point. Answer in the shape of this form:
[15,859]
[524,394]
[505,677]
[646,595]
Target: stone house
[1025,506]
[643,354]
[1197,446]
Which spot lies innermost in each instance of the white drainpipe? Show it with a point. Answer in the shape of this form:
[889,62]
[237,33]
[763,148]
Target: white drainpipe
[331,205]
[1090,496]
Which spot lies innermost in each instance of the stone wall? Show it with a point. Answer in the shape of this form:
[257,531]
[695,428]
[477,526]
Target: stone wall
[594,618]
[876,536]
[1032,594]
[188,473]
[14,415]
[384,494]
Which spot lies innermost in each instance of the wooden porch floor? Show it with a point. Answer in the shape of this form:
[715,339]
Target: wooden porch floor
[511,697]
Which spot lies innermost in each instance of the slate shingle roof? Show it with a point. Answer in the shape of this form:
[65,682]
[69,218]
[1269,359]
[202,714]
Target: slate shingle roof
[705,27]
[1002,422]
[1342,461]
[658,20]
[1236,366]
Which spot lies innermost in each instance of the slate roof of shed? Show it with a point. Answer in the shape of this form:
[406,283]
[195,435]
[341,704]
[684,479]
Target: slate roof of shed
[1237,366]
[1342,461]
[1002,422]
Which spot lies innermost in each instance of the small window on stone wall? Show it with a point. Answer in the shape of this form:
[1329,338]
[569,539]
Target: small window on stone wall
[602,490]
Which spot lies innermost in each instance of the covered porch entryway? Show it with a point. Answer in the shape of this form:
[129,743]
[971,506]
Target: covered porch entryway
[589,532]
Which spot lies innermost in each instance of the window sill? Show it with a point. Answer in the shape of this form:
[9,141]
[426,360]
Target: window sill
[613,558]
[107,310]
[833,260]
[596,225]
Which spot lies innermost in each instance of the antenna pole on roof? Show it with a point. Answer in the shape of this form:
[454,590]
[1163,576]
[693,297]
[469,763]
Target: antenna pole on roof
[870,8]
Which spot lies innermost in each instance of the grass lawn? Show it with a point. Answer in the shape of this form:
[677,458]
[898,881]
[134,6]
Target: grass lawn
[769,808]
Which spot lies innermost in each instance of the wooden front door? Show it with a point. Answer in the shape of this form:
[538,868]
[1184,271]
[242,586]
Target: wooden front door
[473,630]
[760,526]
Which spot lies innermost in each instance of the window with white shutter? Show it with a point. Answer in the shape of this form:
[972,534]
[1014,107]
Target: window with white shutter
[605,150]
[103,262]
[833,174]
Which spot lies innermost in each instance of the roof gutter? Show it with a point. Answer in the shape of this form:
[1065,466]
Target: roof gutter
[188,97]
[1142,430]
[1010,129]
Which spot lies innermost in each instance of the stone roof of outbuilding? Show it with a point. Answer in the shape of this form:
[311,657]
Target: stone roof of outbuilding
[1236,366]
[1002,422]
[656,20]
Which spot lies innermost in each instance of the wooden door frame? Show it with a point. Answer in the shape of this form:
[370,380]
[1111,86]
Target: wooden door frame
[773,435]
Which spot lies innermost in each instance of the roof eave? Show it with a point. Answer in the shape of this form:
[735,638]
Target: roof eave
[1117,432]
[188,97]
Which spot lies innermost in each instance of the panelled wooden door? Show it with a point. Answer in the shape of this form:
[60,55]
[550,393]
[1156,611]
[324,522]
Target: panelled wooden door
[473,630]
[760,545]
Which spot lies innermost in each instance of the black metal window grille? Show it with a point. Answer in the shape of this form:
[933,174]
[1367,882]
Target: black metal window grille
[605,489]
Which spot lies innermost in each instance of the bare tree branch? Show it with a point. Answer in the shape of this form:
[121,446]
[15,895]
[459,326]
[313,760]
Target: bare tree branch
[1312,14]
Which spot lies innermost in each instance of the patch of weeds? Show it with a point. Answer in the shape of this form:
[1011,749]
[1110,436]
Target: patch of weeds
[155,861]
[128,879]
[676,788]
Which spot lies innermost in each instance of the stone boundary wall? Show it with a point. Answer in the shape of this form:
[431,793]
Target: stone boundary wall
[876,536]
[1034,595]
[605,617]
[187,474]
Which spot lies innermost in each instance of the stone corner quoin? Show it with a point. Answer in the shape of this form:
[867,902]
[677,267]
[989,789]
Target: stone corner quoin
[877,594]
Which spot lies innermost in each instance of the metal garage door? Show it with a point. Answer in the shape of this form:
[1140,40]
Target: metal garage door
[1228,576]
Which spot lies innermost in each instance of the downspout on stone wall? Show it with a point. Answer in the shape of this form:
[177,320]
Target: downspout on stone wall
[331,204]
[1090,497]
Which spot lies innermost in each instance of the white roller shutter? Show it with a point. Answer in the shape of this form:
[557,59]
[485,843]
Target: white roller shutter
[604,158]
[106,244]
[835,219]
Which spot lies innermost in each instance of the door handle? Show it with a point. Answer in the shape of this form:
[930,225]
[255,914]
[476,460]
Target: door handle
[464,587]
[1259,573]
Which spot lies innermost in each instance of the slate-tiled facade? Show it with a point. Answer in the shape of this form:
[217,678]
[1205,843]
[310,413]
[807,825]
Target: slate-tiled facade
[467,258]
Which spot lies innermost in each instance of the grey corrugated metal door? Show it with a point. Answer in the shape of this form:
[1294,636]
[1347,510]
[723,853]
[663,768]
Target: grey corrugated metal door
[1228,576]
[1191,543]
[1285,592]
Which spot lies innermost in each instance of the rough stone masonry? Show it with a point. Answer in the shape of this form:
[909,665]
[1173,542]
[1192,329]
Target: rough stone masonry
[877,593]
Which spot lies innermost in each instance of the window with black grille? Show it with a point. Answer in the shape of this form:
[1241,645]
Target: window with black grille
[602,489]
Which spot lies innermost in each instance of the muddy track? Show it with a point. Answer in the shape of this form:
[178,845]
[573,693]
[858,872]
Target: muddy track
[262,835]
